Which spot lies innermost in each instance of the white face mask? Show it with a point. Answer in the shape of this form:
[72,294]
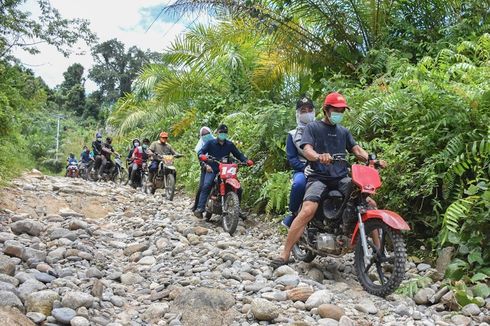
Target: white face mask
[136,144]
[307,117]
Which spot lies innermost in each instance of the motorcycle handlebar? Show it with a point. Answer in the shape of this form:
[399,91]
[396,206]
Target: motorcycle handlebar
[214,159]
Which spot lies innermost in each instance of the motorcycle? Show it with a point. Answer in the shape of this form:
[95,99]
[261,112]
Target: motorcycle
[72,170]
[223,199]
[84,169]
[379,248]
[165,176]
[139,177]
[113,171]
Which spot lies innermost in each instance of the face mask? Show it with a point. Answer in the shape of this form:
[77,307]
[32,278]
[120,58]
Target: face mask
[307,117]
[144,146]
[136,144]
[99,139]
[222,136]
[336,117]
[207,138]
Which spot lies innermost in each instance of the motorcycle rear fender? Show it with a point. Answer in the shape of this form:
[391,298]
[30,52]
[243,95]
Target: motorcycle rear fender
[234,183]
[390,218]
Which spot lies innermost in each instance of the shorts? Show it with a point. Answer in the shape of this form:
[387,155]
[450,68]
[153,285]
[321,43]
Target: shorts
[315,189]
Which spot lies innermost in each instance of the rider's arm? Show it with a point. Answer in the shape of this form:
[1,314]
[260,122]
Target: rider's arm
[293,155]
[239,155]
[172,151]
[360,153]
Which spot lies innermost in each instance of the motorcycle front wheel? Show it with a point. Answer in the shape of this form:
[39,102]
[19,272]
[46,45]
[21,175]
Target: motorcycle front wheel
[231,213]
[170,186]
[384,271]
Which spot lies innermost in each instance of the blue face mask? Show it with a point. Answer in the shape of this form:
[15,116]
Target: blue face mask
[336,117]
[207,138]
[222,136]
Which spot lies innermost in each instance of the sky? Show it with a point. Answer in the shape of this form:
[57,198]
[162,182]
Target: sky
[126,20]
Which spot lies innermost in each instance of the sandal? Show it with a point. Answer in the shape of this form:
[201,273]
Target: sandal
[278,262]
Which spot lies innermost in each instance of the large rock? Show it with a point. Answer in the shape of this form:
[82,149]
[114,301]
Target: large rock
[203,306]
[131,278]
[367,306]
[284,270]
[64,315]
[41,301]
[288,280]
[9,299]
[30,286]
[13,248]
[264,310]
[77,299]
[59,233]
[7,266]
[28,226]
[423,295]
[155,312]
[135,247]
[330,311]
[318,298]
[299,293]
[34,254]
[10,316]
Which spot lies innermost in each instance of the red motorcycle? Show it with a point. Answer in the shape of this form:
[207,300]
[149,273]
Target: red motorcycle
[223,199]
[379,248]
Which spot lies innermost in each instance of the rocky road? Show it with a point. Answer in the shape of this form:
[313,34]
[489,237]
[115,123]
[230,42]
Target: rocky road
[80,253]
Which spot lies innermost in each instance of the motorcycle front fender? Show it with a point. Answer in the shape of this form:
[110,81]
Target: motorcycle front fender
[234,183]
[390,218]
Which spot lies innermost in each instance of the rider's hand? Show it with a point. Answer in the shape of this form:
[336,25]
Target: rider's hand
[325,158]
[250,162]
[203,157]
[382,163]
[209,168]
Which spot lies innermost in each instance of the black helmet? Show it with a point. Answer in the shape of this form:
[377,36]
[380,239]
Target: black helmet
[222,129]
[72,155]
[304,101]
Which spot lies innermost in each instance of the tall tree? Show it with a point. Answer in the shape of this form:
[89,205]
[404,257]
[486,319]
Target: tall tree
[19,30]
[115,69]
[71,93]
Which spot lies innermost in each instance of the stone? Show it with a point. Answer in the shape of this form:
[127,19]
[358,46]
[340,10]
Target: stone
[346,321]
[316,275]
[44,277]
[423,295]
[9,279]
[471,309]
[9,299]
[403,310]
[41,301]
[423,267]
[135,247]
[7,266]
[288,280]
[147,260]
[59,233]
[94,272]
[275,296]
[97,289]
[79,321]
[318,298]
[299,293]
[155,312]
[284,270]
[461,320]
[27,226]
[67,212]
[30,286]
[36,317]
[205,306]
[64,315]
[444,259]
[264,310]
[439,294]
[4,286]
[449,301]
[327,322]
[77,299]
[330,311]
[13,248]
[117,301]
[37,255]
[199,230]
[77,225]
[10,316]
[131,278]
[366,306]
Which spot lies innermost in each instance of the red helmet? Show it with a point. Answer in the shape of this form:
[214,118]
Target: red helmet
[336,100]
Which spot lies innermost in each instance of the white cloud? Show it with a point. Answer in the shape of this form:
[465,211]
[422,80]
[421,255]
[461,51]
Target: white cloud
[109,19]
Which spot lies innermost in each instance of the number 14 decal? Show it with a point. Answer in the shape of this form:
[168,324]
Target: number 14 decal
[228,170]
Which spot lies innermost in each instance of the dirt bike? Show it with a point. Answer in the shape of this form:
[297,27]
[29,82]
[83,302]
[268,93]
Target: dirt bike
[84,169]
[72,170]
[139,177]
[165,176]
[223,199]
[379,248]
[113,171]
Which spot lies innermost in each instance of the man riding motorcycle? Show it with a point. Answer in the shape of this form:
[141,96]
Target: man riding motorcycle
[160,147]
[218,148]
[97,149]
[322,139]
[105,158]
[71,159]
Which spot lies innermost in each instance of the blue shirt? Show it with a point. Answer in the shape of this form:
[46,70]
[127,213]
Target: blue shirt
[293,155]
[85,157]
[332,139]
[217,150]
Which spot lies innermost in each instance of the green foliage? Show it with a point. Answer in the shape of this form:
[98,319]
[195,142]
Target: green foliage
[410,287]
[275,193]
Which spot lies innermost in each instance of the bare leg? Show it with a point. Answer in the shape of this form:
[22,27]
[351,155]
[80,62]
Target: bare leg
[297,228]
